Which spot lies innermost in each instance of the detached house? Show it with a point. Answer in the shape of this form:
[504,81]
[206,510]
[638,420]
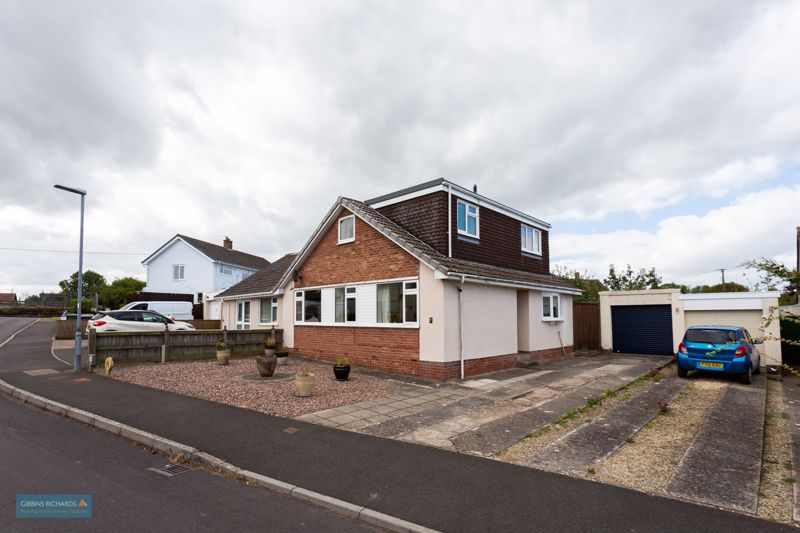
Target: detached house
[185,265]
[435,281]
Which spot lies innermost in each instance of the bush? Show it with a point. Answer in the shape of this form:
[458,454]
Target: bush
[35,311]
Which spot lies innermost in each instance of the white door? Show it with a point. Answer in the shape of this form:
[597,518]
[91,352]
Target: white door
[214,308]
[243,314]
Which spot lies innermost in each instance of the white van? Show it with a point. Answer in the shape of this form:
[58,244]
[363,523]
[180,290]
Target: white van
[175,310]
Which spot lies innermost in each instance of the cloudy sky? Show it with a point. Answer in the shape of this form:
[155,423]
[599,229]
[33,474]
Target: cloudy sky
[661,134]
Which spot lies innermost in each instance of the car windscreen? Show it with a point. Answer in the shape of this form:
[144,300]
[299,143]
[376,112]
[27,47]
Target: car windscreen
[711,336]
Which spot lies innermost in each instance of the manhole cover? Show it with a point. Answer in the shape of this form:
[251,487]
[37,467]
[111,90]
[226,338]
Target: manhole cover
[169,469]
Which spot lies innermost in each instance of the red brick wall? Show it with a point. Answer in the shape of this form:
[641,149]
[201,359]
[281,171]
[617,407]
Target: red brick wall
[540,355]
[370,257]
[390,349]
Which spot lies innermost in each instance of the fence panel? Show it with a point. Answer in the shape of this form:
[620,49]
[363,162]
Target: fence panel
[204,324]
[65,329]
[143,347]
[586,325]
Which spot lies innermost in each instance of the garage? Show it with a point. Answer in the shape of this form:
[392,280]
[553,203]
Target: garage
[653,322]
[748,319]
[642,329]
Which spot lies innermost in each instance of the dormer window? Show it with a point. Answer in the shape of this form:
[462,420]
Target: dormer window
[467,219]
[531,240]
[347,229]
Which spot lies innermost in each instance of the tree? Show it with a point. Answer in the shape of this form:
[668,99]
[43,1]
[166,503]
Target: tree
[33,300]
[729,286]
[114,296]
[684,288]
[585,282]
[776,275]
[87,306]
[630,280]
[92,283]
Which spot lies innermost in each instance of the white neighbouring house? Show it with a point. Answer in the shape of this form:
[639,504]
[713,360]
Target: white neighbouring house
[185,265]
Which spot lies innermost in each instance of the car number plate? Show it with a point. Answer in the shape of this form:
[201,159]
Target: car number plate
[710,365]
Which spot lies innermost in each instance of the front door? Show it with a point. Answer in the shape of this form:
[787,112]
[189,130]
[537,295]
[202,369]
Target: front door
[243,315]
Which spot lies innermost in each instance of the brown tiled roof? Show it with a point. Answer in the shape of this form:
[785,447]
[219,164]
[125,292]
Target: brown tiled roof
[219,253]
[452,266]
[8,298]
[264,281]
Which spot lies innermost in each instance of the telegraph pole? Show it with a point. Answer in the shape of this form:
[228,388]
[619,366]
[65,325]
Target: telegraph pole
[722,270]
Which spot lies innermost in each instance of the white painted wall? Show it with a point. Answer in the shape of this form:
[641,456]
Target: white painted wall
[432,317]
[535,334]
[651,297]
[223,281]
[489,321]
[198,271]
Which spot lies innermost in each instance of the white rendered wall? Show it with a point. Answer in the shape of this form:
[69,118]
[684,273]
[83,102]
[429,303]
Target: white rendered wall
[536,334]
[198,271]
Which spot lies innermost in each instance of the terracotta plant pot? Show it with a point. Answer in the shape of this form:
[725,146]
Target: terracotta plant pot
[304,384]
[223,357]
[341,372]
[266,365]
[283,359]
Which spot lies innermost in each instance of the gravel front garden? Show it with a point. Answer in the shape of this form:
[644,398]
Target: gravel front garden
[238,384]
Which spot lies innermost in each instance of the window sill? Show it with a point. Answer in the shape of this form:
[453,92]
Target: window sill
[552,320]
[348,241]
[465,237]
[532,255]
[410,325]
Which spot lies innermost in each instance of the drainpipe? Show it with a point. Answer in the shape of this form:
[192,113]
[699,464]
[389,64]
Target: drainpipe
[450,221]
[461,325]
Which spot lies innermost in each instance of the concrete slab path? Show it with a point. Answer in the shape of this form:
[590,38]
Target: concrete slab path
[590,443]
[791,402]
[722,466]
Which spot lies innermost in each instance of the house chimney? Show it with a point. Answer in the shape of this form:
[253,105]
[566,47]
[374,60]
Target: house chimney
[228,243]
[475,188]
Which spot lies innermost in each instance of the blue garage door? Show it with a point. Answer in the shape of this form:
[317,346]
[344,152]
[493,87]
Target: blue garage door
[645,329]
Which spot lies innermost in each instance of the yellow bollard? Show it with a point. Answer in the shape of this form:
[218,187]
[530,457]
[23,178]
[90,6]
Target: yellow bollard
[109,363]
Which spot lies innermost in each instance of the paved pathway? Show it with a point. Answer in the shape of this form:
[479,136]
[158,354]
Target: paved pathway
[791,402]
[723,465]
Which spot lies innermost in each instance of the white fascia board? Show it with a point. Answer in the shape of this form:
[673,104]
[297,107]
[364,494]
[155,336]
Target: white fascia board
[510,284]
[250,296]
[729,295]
[466,194]
[217,262]
[168,244]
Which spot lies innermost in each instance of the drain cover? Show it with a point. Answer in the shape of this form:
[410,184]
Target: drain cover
[41,372]
[170,469]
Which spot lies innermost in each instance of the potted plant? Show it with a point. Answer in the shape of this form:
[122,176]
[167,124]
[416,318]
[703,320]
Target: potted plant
[282,355]
[223,353]
[266,364]
[341,368]
[304,384]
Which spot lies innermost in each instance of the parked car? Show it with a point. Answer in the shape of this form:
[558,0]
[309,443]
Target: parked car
[72,316]
[129,321]
[174,310]
[728,349]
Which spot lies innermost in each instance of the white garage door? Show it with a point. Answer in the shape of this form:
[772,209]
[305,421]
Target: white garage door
[750,320]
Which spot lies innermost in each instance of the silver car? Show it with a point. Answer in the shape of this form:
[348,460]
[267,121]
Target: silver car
[134,321]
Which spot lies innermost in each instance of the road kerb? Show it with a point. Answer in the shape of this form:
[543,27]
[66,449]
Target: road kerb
[342,507]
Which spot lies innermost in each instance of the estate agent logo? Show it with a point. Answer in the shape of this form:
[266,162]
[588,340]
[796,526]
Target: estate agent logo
[54,506]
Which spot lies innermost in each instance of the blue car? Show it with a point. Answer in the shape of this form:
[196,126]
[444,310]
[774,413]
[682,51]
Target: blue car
[728,349]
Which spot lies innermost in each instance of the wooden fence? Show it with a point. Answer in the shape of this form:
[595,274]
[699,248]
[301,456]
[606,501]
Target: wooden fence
[176,345]
[65,329]
[586,325]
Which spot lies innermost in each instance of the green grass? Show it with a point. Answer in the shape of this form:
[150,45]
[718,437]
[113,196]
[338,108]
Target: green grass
[788,465]
[789,480]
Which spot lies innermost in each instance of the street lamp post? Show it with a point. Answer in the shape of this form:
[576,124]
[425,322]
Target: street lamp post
[77,360]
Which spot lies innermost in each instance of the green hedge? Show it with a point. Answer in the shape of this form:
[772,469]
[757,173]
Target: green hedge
[38,311]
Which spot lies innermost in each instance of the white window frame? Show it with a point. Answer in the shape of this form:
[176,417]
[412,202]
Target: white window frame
[339,230]
[350,293]
[273,310]
[408,292]
[552,298]
[225,270]
[243,314]
[535,237]
[467,215]
[180,270]
[299,300]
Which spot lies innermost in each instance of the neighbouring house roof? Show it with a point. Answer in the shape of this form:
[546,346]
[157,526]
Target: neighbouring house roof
[446,267]
[263,282]
[8,298]
[216,253]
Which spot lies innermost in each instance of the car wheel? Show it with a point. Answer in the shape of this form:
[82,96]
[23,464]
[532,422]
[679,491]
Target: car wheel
[747,377]
[683,372]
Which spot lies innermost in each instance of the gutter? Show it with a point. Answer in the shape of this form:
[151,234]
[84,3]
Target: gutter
[449,220]
[514,284]
[278,292]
